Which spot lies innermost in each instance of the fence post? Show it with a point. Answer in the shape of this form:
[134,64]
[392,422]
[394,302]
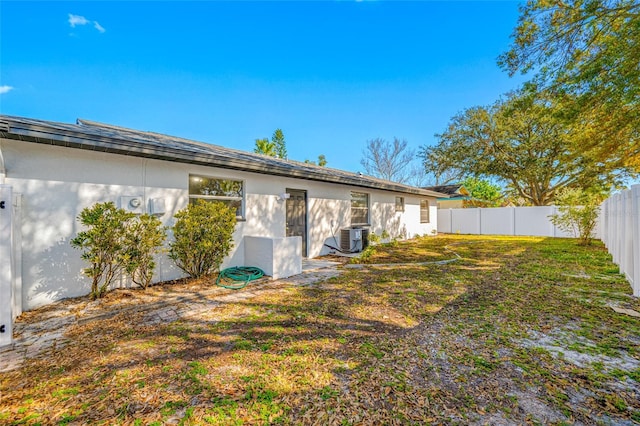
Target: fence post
[614,224]
[602,217]
[617,230]
[622,238]
[628,236]
[622,229]
[607,223]
[450,220]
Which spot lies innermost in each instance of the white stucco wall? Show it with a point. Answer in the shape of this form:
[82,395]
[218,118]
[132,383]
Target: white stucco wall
[56,183]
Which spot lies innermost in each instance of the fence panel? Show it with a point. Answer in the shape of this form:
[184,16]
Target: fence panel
[532,221]
[497,221]
[444,221]
[635,236]
[465,221]
[620,232]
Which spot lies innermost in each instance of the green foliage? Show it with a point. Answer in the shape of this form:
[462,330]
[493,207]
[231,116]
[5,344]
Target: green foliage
[144,239]
[525,142]
[117,241]
[578,212]
[365,255]
[589,50]
[277,147]
[264,146]
[102,243]
[322,161]
[483,193]
[280,144]
[374,238]
[202,237]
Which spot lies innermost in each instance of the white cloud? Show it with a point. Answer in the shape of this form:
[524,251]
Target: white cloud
[77,20]
[5,89]
[81,20]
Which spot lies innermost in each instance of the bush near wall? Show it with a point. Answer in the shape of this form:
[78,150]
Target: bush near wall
[144,239]
[578,212]
[116,241]
[202,237]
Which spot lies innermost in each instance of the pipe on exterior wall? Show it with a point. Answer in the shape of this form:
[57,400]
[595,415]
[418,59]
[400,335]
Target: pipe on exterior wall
[144,185]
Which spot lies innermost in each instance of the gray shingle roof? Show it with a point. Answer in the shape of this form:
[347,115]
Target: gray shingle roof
[94,136]
[447,190]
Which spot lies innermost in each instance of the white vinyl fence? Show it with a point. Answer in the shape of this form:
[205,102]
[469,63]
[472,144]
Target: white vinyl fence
[620,232]
[618,227]
[532,221]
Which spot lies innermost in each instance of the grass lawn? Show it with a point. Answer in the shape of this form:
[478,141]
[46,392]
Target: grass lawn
[518,330]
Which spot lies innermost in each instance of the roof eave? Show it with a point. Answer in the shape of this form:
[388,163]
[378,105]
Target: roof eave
[86,141]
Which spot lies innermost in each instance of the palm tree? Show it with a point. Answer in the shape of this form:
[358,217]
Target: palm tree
[264,146]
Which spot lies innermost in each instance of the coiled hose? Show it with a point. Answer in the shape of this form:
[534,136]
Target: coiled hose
[238,277]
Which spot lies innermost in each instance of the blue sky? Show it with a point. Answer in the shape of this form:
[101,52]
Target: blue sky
[331,75]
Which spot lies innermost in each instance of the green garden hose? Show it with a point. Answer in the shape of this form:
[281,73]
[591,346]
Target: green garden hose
[238,277]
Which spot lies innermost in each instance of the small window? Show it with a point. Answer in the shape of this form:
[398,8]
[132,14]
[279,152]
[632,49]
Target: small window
[424,211]
[359,208]
[399,204]
[230,192]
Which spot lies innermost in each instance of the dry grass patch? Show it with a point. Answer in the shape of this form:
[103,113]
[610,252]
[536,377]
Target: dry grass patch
[507,333]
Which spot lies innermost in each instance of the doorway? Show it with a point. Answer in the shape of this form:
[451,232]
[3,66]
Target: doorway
[296,222]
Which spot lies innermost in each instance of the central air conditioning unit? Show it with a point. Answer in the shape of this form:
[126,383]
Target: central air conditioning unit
[354,240]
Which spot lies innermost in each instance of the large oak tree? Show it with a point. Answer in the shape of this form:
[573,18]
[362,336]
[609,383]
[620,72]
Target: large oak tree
[523,141]
[588,53]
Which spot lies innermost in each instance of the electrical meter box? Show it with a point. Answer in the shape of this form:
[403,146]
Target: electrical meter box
[132,204]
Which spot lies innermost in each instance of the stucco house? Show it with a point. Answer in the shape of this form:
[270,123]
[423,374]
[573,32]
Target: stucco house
[50,171]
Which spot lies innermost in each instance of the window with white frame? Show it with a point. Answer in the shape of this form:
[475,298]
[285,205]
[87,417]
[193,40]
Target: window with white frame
[424,211]
[228,191]
[359,208]
[399,204]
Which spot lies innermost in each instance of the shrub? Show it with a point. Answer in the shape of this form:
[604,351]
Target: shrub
[365,255]
[374,238]
[578,212]
[203,237]
[103,242]
[144,239]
